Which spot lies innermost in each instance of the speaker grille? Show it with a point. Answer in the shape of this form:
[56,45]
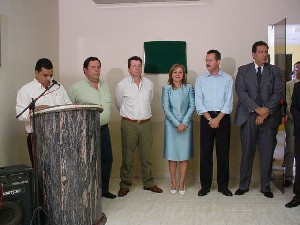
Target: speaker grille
[10,213]
[17,198]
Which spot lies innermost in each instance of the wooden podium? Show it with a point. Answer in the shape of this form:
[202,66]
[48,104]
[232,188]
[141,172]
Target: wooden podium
[69,166]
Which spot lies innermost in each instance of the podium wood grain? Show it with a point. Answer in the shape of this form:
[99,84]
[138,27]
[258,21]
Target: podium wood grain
[68,153]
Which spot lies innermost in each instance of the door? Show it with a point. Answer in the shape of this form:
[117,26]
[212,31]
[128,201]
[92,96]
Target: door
[281,62]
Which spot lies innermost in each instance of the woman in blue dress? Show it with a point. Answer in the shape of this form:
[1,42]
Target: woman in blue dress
[178,102]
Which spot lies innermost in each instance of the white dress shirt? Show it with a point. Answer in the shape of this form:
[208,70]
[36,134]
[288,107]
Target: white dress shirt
[134,102]
[57,95]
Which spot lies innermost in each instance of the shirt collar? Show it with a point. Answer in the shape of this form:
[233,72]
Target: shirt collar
[220,73]
[256,66]
[131,80]
[99,82]
[38,84]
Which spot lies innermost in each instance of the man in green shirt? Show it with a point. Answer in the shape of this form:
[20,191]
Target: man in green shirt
[92,90]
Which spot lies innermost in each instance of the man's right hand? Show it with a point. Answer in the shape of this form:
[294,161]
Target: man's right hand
[37,108]
[40,107]
[259,120]
[262,111]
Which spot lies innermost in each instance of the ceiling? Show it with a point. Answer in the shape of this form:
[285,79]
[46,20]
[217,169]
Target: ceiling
[140,1]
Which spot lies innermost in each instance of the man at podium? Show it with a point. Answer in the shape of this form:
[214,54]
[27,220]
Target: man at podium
[56,95]
[92,90]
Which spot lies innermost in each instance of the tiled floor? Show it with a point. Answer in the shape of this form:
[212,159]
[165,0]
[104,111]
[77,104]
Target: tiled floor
[142,207]
[147,208]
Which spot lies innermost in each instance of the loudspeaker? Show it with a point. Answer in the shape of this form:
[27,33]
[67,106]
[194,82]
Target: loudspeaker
[16,195]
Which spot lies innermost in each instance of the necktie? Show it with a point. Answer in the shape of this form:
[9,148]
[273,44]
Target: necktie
[258,75]
[258,99]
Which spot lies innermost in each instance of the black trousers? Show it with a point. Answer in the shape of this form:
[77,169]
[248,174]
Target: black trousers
[296,188]
[209,136]
[106,157]
[30,148]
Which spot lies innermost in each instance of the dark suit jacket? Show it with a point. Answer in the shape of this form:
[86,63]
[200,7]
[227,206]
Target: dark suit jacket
[271,89]
[295,109]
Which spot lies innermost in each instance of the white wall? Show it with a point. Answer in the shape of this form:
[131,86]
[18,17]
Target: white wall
[29,31]
[33,29]
[114,34]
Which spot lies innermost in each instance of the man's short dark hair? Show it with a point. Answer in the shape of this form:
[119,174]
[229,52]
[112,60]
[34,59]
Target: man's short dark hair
[134,58]
[216,52]
[43,63]
[87,61]
[258,43]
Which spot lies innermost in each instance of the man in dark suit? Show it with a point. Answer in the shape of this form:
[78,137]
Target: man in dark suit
[295,110]
[259,88]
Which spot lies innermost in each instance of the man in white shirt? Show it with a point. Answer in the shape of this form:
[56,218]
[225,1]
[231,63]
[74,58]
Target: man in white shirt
[56,95]
[133,98]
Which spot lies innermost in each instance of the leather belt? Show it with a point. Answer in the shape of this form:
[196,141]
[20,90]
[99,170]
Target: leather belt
[104,126]
[135,121]
[214,112]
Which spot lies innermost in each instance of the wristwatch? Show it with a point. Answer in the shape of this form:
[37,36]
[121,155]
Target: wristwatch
[209,119]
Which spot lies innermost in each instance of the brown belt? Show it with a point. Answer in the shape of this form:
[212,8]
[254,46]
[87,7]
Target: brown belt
[135,121]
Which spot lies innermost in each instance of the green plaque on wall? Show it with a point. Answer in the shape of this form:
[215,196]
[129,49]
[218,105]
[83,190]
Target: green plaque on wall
[160,56]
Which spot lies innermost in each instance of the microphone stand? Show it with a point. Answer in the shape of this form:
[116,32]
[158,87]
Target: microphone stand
[31,107]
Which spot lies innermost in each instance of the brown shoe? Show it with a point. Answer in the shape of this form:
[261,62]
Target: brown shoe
[122,192]
[154,189]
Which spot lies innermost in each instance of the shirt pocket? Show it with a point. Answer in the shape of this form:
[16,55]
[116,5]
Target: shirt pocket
[59,100]
[145,96]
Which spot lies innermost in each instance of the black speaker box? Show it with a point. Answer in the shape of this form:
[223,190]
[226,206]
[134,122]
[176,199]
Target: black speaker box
[16,195]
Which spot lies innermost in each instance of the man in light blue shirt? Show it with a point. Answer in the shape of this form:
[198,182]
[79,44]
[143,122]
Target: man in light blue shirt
[213,98]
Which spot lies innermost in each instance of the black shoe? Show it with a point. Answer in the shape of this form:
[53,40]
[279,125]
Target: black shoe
[225,191]
[241,192]
[287,183]
[107,194]
[293,203]
[203,191]
[268,194]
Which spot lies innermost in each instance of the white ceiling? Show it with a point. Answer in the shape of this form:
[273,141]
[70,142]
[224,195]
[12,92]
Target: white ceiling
[139,1]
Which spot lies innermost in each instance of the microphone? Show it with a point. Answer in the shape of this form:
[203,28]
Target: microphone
[54,82]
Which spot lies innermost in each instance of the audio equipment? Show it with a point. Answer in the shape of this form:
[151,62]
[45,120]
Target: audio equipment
[16,197]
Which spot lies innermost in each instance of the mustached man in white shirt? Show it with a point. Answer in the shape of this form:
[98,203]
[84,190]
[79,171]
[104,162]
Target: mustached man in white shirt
[56,95]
